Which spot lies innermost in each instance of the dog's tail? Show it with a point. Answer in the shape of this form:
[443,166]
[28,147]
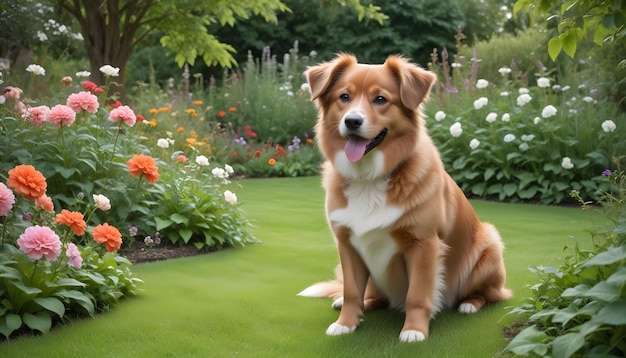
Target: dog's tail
[327,289]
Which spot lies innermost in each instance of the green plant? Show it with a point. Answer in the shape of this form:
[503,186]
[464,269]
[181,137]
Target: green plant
[577,309]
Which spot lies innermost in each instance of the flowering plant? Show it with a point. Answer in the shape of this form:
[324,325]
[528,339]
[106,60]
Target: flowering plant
[44,276]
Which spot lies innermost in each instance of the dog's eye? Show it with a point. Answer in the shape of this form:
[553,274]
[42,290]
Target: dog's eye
[344,97]
[380,100]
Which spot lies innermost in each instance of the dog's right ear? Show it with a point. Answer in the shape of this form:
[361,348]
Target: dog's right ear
[322,76]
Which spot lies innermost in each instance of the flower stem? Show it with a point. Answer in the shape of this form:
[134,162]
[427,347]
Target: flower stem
[119,128]
[132,201]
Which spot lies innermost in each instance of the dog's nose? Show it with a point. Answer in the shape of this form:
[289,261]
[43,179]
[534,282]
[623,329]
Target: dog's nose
[353,121]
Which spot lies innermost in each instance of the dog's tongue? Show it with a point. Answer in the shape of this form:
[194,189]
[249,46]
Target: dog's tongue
[355,148]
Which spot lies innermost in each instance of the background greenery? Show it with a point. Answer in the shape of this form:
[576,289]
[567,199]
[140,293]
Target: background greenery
[243,301]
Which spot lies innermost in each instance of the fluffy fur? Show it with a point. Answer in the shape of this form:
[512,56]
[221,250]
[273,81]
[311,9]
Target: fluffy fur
[407,236]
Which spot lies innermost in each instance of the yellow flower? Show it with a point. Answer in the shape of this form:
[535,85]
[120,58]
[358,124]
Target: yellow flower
[153,122]
[191,141]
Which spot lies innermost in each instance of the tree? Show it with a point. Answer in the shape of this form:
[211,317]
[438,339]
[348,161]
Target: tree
[112,28]
[604,19]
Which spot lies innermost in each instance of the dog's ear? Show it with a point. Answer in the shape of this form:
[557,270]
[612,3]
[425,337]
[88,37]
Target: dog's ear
[415,82]
[322,76]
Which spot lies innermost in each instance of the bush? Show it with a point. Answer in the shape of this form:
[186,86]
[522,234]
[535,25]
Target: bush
[577,309]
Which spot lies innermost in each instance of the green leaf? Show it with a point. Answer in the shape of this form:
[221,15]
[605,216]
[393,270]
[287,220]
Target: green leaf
[530,340]
[566,345]
[603,291]
[40,321]
[611,255]
[489,172]
[162,223]
[9,323]
[185,234]
[179,219]
[80,298]
[554,47]
[509,189]
[569,43]
[575,291]
[612,314]
[51,304]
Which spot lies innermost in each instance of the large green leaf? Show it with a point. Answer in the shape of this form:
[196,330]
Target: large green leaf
[530,340]
[51,304]
[566,345]
[612,314]
[10,323]
[40,321]
[611,255]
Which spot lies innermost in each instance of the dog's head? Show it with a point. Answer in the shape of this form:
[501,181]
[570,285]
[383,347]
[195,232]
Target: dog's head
[364,108]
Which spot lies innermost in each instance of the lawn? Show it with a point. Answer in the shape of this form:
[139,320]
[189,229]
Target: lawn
[242,302]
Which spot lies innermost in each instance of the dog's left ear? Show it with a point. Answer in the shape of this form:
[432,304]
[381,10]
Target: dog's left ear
[415,82]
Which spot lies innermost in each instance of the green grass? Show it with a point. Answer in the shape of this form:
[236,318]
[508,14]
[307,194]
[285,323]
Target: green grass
[242,302]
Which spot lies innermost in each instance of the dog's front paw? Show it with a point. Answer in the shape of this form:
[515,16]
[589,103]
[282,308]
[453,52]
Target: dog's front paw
[410,336]
[467,308]
[337,329]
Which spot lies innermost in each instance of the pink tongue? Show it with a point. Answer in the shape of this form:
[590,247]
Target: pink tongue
[355,148]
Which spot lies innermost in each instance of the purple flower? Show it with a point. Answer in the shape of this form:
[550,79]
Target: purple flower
[606,172]
[132,231]
[27,217]
[148,240]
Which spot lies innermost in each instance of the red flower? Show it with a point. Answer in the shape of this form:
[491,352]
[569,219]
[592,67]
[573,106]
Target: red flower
[140,118]
[221,114]
[235,154]
[116,104]
[249,132]
[232,109]
[257,153]
[89,86]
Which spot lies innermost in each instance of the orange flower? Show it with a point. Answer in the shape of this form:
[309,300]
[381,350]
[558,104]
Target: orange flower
[26,180]
[309,141]
[180,129]
[197,102]
[153,111]
[257,153]
[271,162]
[232,109]
[108,235]
[221,114]
[192,112]
[44,202]
[143,164]
[153,122]
[191,141]
[73,219]
[235,154]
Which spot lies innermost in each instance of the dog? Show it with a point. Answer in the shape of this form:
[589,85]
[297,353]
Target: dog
[406,235]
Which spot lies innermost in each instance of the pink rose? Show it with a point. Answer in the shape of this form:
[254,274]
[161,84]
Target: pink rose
[123,113]
[83,101]
[73,256]
[7,199]
[40,241]
[61,114]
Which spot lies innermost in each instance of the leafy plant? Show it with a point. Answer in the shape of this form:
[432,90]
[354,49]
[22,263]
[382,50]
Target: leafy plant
[578,308]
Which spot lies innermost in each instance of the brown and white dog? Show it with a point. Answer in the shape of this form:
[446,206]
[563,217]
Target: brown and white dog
[406,234]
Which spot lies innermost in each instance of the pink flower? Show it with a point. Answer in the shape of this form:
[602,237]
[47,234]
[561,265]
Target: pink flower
[40,241]
[7,199]
[83,101]
[73,256]
[37,115]
[45,202]
[123,113]
[61,114]
[102,202]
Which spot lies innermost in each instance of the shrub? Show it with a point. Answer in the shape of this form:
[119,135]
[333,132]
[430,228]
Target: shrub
[577,309]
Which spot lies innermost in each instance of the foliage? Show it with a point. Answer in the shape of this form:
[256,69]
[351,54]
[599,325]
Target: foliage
[577,18]
[577,309]
[522,143]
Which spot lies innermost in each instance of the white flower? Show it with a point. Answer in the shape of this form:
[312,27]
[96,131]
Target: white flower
[456,65]
[556,87]
[543,82]
[42,36]
[109,70]
[440,116]
[491,117]
[537,120]
[83,74]
[608,126]
[230,197]
[523,90]
[313,54]
[219,173]
[228,169]
[509,138]
[565,88]
[506,117]
[548,111]
[202,160]
[456,130]
[163,143]
[527,137]
[523,99]
[2,99]
[504,94]
[481,102]
[36,69]
[481,83]
[588,99]
[474,143]
[304,87]
[566,163]
[504,70]
[102,202]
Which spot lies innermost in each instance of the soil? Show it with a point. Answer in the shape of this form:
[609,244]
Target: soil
[140,253]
